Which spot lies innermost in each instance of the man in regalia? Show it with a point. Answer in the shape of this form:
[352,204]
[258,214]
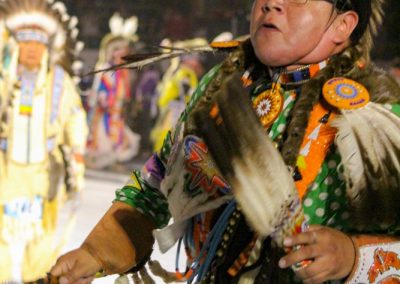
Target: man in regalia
[42,135]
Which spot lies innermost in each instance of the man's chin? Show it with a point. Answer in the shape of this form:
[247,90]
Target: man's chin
[274,61]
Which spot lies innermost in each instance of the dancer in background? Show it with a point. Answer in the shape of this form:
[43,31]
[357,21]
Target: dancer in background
[110,139]
[145,99]
[177,87]
[42,135]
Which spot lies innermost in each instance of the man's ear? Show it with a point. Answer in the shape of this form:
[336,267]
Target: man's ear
[345,24]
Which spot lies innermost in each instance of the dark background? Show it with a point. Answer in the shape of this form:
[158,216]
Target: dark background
[178,19]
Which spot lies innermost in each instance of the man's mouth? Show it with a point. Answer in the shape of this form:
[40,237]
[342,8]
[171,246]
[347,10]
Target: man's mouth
[270,26]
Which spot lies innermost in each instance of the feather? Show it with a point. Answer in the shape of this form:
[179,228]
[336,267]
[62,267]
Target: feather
[116,24]
[74,33]
[368,141]
[136,64]
[138,61]
[140,56]
[351,157]
[78,47]
[73,22]
[60,7]
[260,180]
[77,65]
[225,36]
[130,26]
[181,48]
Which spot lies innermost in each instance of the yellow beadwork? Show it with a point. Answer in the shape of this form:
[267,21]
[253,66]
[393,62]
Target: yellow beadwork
[268,105]
[344,93]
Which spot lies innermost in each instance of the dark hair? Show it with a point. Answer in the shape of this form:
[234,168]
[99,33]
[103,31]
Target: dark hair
[364,10]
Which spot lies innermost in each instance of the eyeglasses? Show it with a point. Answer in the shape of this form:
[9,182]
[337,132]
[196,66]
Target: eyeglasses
[341,5]
[303,2]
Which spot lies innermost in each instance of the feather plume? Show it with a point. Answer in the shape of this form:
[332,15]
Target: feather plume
[78,47]
[138,61]
[368,140]
[260,180]
[60,7]
[73,22]
[178,49]
[130,26]
[74,33]
[225,36]
[116,23]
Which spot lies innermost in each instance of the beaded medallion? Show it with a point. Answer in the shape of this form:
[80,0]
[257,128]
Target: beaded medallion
[268,105]
[344,93]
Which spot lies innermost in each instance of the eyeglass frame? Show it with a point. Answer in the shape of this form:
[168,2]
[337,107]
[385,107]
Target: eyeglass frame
[345,4]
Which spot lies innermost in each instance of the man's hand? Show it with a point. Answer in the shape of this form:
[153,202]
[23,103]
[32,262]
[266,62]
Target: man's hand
[332,252]
[76,267]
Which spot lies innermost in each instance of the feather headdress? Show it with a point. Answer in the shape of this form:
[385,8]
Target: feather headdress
[125,28]
[51,18]
[120,29]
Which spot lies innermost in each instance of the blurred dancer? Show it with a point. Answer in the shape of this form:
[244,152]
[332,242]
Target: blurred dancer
[145,96]
[176,91]
[110,139]
[42,135]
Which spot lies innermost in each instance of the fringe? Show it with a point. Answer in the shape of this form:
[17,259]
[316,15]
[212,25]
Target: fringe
[143,276]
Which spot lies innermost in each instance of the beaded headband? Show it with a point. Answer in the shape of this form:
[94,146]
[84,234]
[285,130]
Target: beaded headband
[32,35]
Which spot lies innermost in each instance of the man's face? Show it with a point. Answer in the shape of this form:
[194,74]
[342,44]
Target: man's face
[284,34]
[30,53]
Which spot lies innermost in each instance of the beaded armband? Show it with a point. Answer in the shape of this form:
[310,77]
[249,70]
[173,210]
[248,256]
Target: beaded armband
[377,260]
[147,200]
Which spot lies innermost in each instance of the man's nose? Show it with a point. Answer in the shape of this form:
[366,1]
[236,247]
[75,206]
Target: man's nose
[273,5]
